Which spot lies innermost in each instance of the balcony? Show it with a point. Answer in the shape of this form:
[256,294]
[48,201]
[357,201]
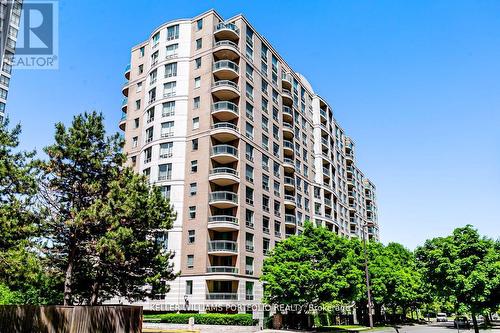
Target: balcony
[287,114]
[324,141]
[222,269]
[222,247]
[227,31]
[350,169]
[323,114]
[290,220]
[370,208]
[222,296]
[223,223]
[326,172]
[124,104]
[225,110]
[287,97]
[127,72]
[225,49]
[351,194]
[225,90]
[288,132]
[226,70]
[289,183]
[328,202]
[288,147]
[224,131]
[123,121]
[224,153]
[286,80]
[125,88]
[349,156]
[223,176]
[223,199]
[290,201]
[288,164]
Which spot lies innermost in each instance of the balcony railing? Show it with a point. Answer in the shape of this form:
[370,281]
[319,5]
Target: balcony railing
[226,64]
[222,246]
[289,181]
[289,197]
[224,125]
[227,26]
[224,171]
[288,144]
[225,106]
[289,218]
[226,43]
[222,269]
[288,160]
[223,196]
[223,219]
[288,110]
[222,296]
[224,149]
[225,83]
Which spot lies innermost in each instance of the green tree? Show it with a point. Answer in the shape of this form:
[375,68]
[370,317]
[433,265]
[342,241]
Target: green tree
[103,217]
[311,269]
[465,267]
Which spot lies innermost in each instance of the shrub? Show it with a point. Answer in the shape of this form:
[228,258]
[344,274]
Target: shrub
[203,318]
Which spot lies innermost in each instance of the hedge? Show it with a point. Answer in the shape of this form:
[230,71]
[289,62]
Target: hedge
[242,319]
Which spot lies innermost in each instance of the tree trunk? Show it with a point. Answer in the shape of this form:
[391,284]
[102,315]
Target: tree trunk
[474,321]
[68,277]
[96,286]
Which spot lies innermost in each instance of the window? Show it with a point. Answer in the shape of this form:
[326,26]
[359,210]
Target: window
[152,95]
[196,123]
[249,91]
[156,39]
[190,261]
[169,89]
[249,111]
[138,104]
[141,52]
[277,208]
[249,131]
[171,51]
[196,102]
[147,155]
[189,287]
[249,72]
[136,123]
[138,87]
[263,52]
[194,144]
[149,134]
[249,267]
[265,162]
[165,171]
[265,245]
[167,129]
[193,188]
[277,229]
[264,105]
[249,173]
[150,115]
[198,43]
[249,152]
[173,32]
[147,172]
[192,212]
[249,195]
[277,186]
[191,236]
[171,70]
[249,242]
[194,166]
[165,191]
[249,52]
[265,123]
[276,169]
[140,69]
[265,142]
[197,63]
[249,218]
[135,142]
[166,149]
[199,24]
[264,86]
[154,58]
[168,109]
[265,182]
[265,205]
[197,82]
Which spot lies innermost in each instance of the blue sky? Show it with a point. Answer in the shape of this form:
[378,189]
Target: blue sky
[416,84]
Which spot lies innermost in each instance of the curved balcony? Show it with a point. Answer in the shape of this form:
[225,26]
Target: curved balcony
[222,269]
[323,114]
[223,176]
[224,153]
[225,90]
[124,104]
[286,80]
[223,199]
[288,132]
[287,114]
[226,30]
[125,88]
[223,247]
[225,49]
[289,183]
[225,110]
[288,164]
[350,169]
[288,147]
[224,131]
[287,97]
[127,72]
[289,201]
[290,220]
[226,70]
[349,156]
[122,122]
[223,223]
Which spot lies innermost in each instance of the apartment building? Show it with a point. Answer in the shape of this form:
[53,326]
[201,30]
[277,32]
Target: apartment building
[245,150]
[10,17]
